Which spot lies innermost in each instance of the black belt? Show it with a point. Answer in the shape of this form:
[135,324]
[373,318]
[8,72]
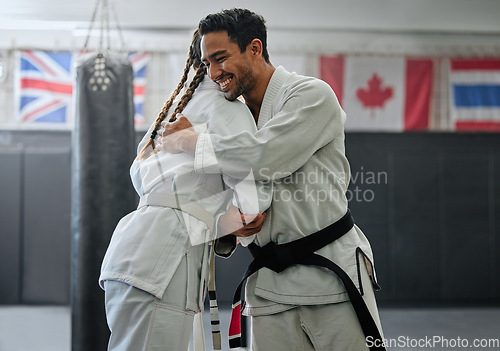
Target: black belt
[279,257]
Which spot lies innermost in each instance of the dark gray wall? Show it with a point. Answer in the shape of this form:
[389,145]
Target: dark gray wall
[435,225]
[34,217]
[428,202]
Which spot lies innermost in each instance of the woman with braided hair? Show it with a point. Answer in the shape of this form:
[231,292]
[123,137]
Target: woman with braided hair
[155,270]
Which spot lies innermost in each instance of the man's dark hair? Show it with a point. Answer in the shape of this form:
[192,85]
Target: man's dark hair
[241,25]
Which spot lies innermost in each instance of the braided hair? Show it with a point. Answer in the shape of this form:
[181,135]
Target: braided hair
[193,60]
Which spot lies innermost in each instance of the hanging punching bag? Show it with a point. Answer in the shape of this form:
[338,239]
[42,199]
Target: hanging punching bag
[103,148]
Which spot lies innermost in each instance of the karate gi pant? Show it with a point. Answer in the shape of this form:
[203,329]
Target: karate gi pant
[140,321]
[330,327]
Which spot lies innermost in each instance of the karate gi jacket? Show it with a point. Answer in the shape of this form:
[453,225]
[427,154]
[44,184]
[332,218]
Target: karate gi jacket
[299,147]
[149,243]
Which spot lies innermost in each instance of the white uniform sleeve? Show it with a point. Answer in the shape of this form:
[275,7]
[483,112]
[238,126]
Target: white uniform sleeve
[234,120]
[249,195]
[306,119]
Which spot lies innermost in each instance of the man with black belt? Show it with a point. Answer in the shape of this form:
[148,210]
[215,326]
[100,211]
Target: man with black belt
[299,146]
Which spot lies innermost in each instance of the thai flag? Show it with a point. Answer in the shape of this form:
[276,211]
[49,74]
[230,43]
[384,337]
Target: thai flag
[475,94]
[45,86]
[139,63]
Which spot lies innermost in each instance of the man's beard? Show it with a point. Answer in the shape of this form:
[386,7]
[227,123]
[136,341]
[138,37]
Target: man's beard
[245,83]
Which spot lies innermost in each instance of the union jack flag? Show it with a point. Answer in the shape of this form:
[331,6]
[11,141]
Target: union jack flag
[45,86]
[139,63]
[46,81]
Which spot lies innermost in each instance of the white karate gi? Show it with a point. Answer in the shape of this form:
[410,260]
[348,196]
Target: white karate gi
[300,146]
[160,253]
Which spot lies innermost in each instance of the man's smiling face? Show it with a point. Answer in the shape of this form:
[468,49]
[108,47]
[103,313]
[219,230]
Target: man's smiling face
[227,65]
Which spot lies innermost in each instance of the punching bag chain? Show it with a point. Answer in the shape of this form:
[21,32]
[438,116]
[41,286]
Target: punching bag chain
[103,7]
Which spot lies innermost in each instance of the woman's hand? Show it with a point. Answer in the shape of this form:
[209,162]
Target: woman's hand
[178,136]
[236,223]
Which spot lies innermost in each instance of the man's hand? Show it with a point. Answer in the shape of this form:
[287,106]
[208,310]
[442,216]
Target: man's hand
[178,136]
[236,223]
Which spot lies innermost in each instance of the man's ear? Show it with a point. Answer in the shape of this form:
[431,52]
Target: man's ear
[255,47]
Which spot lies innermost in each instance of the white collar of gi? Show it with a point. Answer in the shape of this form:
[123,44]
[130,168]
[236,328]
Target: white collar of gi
[275,83]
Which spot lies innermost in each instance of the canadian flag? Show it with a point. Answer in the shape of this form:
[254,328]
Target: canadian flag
[381,93]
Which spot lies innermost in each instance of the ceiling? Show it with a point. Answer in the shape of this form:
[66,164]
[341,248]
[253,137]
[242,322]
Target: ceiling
[294,23]
[415,15]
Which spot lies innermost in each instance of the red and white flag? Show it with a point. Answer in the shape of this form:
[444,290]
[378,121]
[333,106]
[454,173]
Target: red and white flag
[381,93]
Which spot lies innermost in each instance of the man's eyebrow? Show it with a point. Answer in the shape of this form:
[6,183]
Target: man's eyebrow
[216,53]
